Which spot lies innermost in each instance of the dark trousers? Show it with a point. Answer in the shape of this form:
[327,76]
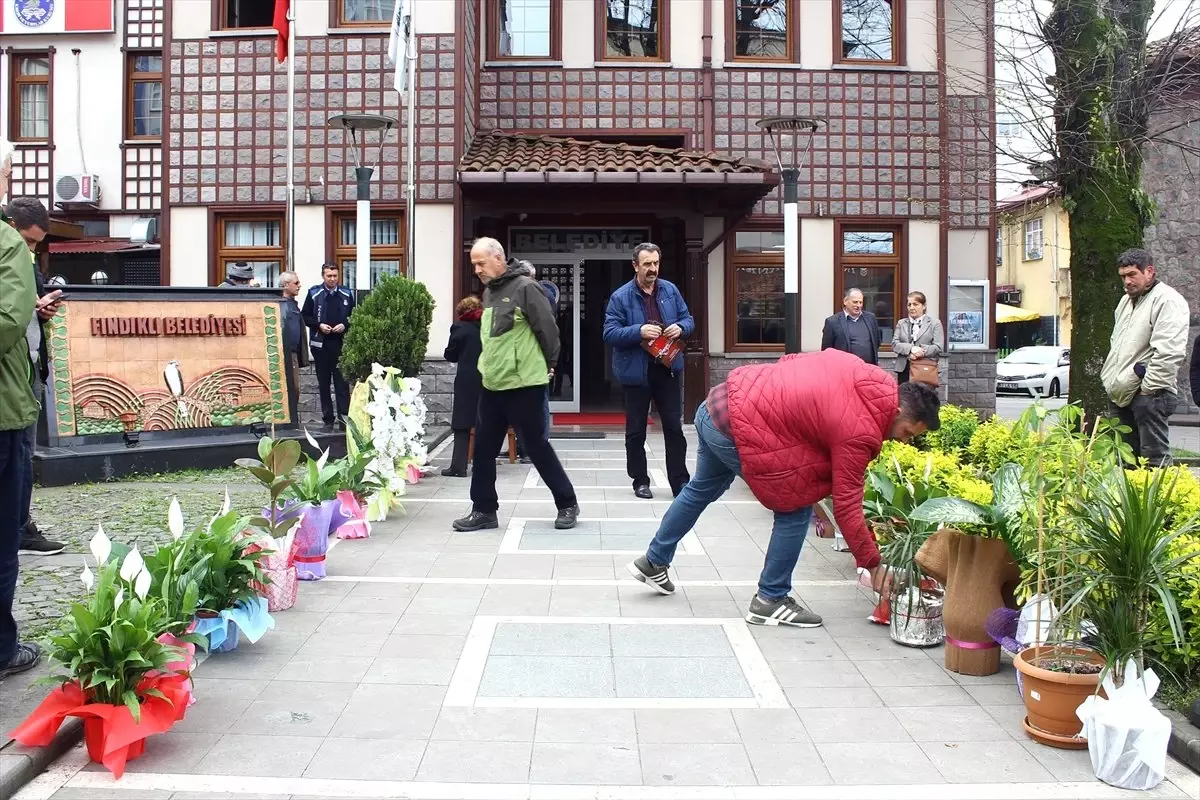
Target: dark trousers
[546,422]
[458,455]
[523,410]
[14,469]
[1149,420]
[327,371]
[39,390]
[666,390]
[293,384]
[903,376]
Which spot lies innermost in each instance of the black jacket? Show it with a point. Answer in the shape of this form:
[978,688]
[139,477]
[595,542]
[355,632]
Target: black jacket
[295,333]
[463,349]
[835,336]
[1194,374]
[320,307]
[43,365]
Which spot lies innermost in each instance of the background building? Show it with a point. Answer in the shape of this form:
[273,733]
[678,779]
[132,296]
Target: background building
[1033,269]
[571,130]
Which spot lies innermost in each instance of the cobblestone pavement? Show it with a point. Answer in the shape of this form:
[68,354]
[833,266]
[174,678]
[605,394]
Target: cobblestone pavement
[524,663]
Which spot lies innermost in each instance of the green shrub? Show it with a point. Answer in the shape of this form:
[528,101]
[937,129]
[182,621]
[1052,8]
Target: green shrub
[390,327]
[958,426]
[995,442]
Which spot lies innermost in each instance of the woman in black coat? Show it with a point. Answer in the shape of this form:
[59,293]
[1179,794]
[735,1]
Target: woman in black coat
[464,349]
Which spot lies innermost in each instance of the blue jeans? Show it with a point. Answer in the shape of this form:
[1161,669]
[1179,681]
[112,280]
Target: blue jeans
[717,464]
[13,472]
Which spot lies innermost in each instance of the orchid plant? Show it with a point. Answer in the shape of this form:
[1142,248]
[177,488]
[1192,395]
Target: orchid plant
[397,413]
[111,641]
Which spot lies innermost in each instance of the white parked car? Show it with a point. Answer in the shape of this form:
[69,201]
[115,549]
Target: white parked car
[1040,371]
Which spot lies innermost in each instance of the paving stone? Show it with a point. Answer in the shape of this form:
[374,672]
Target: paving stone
[325,669]
[798,765]
[476,762]
[267,756]
[769,725]
[1063,765]
[547,676]
[586,726]
[599,764]
[950,724]
[367,759]
[680,677]
[486,724]
[381,711]
[686,726]
[515,600]
[985,762]
[913,696]
[420,671]
[695,765]
[863,725]
[673,641]
[551,639]
[550,541]
[175,752]
[415,645]
[860,764]
[295,708]
[839,674]
[219,703]
[903,672]
[816,697]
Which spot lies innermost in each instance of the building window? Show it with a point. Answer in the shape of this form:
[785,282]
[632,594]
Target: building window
[30,98]
[1007,126]
[237,14]
[755,288]
[869,260]
[1033,239]
[869,31]
[143,112]
[387,246]
[524,29]
[999,246]
[761,30]
[256,240]
[634,29]
[374,13]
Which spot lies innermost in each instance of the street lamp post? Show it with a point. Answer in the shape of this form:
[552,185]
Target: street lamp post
[792,128]
[358,126]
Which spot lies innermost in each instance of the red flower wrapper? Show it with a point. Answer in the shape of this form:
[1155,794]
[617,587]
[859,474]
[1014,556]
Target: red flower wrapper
[120,738]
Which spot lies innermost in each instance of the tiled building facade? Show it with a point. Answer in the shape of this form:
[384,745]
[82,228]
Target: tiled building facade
[895,190]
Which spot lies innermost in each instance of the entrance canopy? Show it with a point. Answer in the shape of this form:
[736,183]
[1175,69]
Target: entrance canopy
[1006,313]
[563,170]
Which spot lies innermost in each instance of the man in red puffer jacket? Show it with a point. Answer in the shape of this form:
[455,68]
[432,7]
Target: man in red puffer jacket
[796,430]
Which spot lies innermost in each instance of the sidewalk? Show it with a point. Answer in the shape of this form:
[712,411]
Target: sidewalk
[524,663]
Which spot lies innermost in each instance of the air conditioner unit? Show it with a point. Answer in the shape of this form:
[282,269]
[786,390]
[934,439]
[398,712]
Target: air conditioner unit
[77,189]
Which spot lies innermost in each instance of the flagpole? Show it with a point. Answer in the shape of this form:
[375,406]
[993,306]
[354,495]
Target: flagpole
[411,155]
[291,138]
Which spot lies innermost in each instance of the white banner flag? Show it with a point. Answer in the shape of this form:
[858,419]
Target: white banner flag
[398,42]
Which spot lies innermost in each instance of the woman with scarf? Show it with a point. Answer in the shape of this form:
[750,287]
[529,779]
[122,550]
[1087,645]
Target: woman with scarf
[918,336]
[463,349]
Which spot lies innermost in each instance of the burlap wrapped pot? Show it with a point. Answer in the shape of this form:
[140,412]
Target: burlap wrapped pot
[980,575]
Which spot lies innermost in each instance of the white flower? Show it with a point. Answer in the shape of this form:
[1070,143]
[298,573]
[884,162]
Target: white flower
[225,505]
[175,519]
[120,598]
[132,565]
[141,584]
[100,545]
[86,576]
[311,440]
[376,370]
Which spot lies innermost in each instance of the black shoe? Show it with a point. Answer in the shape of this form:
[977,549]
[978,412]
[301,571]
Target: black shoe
[652,575]
[567,517]
[524,460]
[34,543]
[450,472]
[27,657]
[643,492]
[475,521]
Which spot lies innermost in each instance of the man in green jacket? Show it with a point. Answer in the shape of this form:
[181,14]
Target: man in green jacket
[520,350]
[18,410]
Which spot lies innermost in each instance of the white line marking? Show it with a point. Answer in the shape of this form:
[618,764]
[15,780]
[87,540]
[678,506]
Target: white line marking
[561,581]
[437,451]
[466,500]
[511,543]
[431,790]
[660,478]
[464,685]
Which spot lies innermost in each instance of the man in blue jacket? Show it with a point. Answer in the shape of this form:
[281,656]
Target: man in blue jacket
[638,313]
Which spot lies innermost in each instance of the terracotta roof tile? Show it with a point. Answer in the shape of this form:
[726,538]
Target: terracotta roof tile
[506,152]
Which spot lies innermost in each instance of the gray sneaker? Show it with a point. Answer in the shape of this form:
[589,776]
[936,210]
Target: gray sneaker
[781,612]
[652,575]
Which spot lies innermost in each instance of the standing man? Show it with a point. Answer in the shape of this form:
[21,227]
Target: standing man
[638,313]
[853,330]
[326,312]
[33,541]
[238,275]
[1149,343]
[295,340]
[1194,373]
[795,430]
[18,410]
[519,350]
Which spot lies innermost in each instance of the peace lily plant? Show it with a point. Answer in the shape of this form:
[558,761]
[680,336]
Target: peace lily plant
[397,413]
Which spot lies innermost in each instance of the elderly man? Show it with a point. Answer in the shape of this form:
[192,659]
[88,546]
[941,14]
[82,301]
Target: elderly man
[238,275]
[519,351]
[295,340]
[795,430]
[1148,345]
[29,224]
[853,330]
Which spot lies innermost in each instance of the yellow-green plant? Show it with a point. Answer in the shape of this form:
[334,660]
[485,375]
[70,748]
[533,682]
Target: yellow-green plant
[958,425]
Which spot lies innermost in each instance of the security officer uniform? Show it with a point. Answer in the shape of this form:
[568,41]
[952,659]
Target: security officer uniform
[330,307]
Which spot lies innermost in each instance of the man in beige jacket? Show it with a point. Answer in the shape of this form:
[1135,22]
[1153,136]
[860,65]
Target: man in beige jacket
[1149,342]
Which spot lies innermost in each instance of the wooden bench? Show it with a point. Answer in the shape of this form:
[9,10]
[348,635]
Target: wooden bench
[512,446]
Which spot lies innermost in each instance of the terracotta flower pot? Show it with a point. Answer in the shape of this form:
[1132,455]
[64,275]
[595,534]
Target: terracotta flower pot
[1052,697]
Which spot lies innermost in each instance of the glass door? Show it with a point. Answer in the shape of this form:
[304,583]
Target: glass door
[564,272]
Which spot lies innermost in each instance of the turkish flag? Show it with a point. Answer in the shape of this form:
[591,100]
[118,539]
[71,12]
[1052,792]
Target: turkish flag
[281,27]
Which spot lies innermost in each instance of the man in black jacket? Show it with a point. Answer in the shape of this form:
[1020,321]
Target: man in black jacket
[327,310]
[295,340]
[853,330]
[1194,374]
[33,541]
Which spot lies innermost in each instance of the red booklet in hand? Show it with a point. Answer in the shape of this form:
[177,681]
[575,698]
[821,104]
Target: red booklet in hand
[664,350]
